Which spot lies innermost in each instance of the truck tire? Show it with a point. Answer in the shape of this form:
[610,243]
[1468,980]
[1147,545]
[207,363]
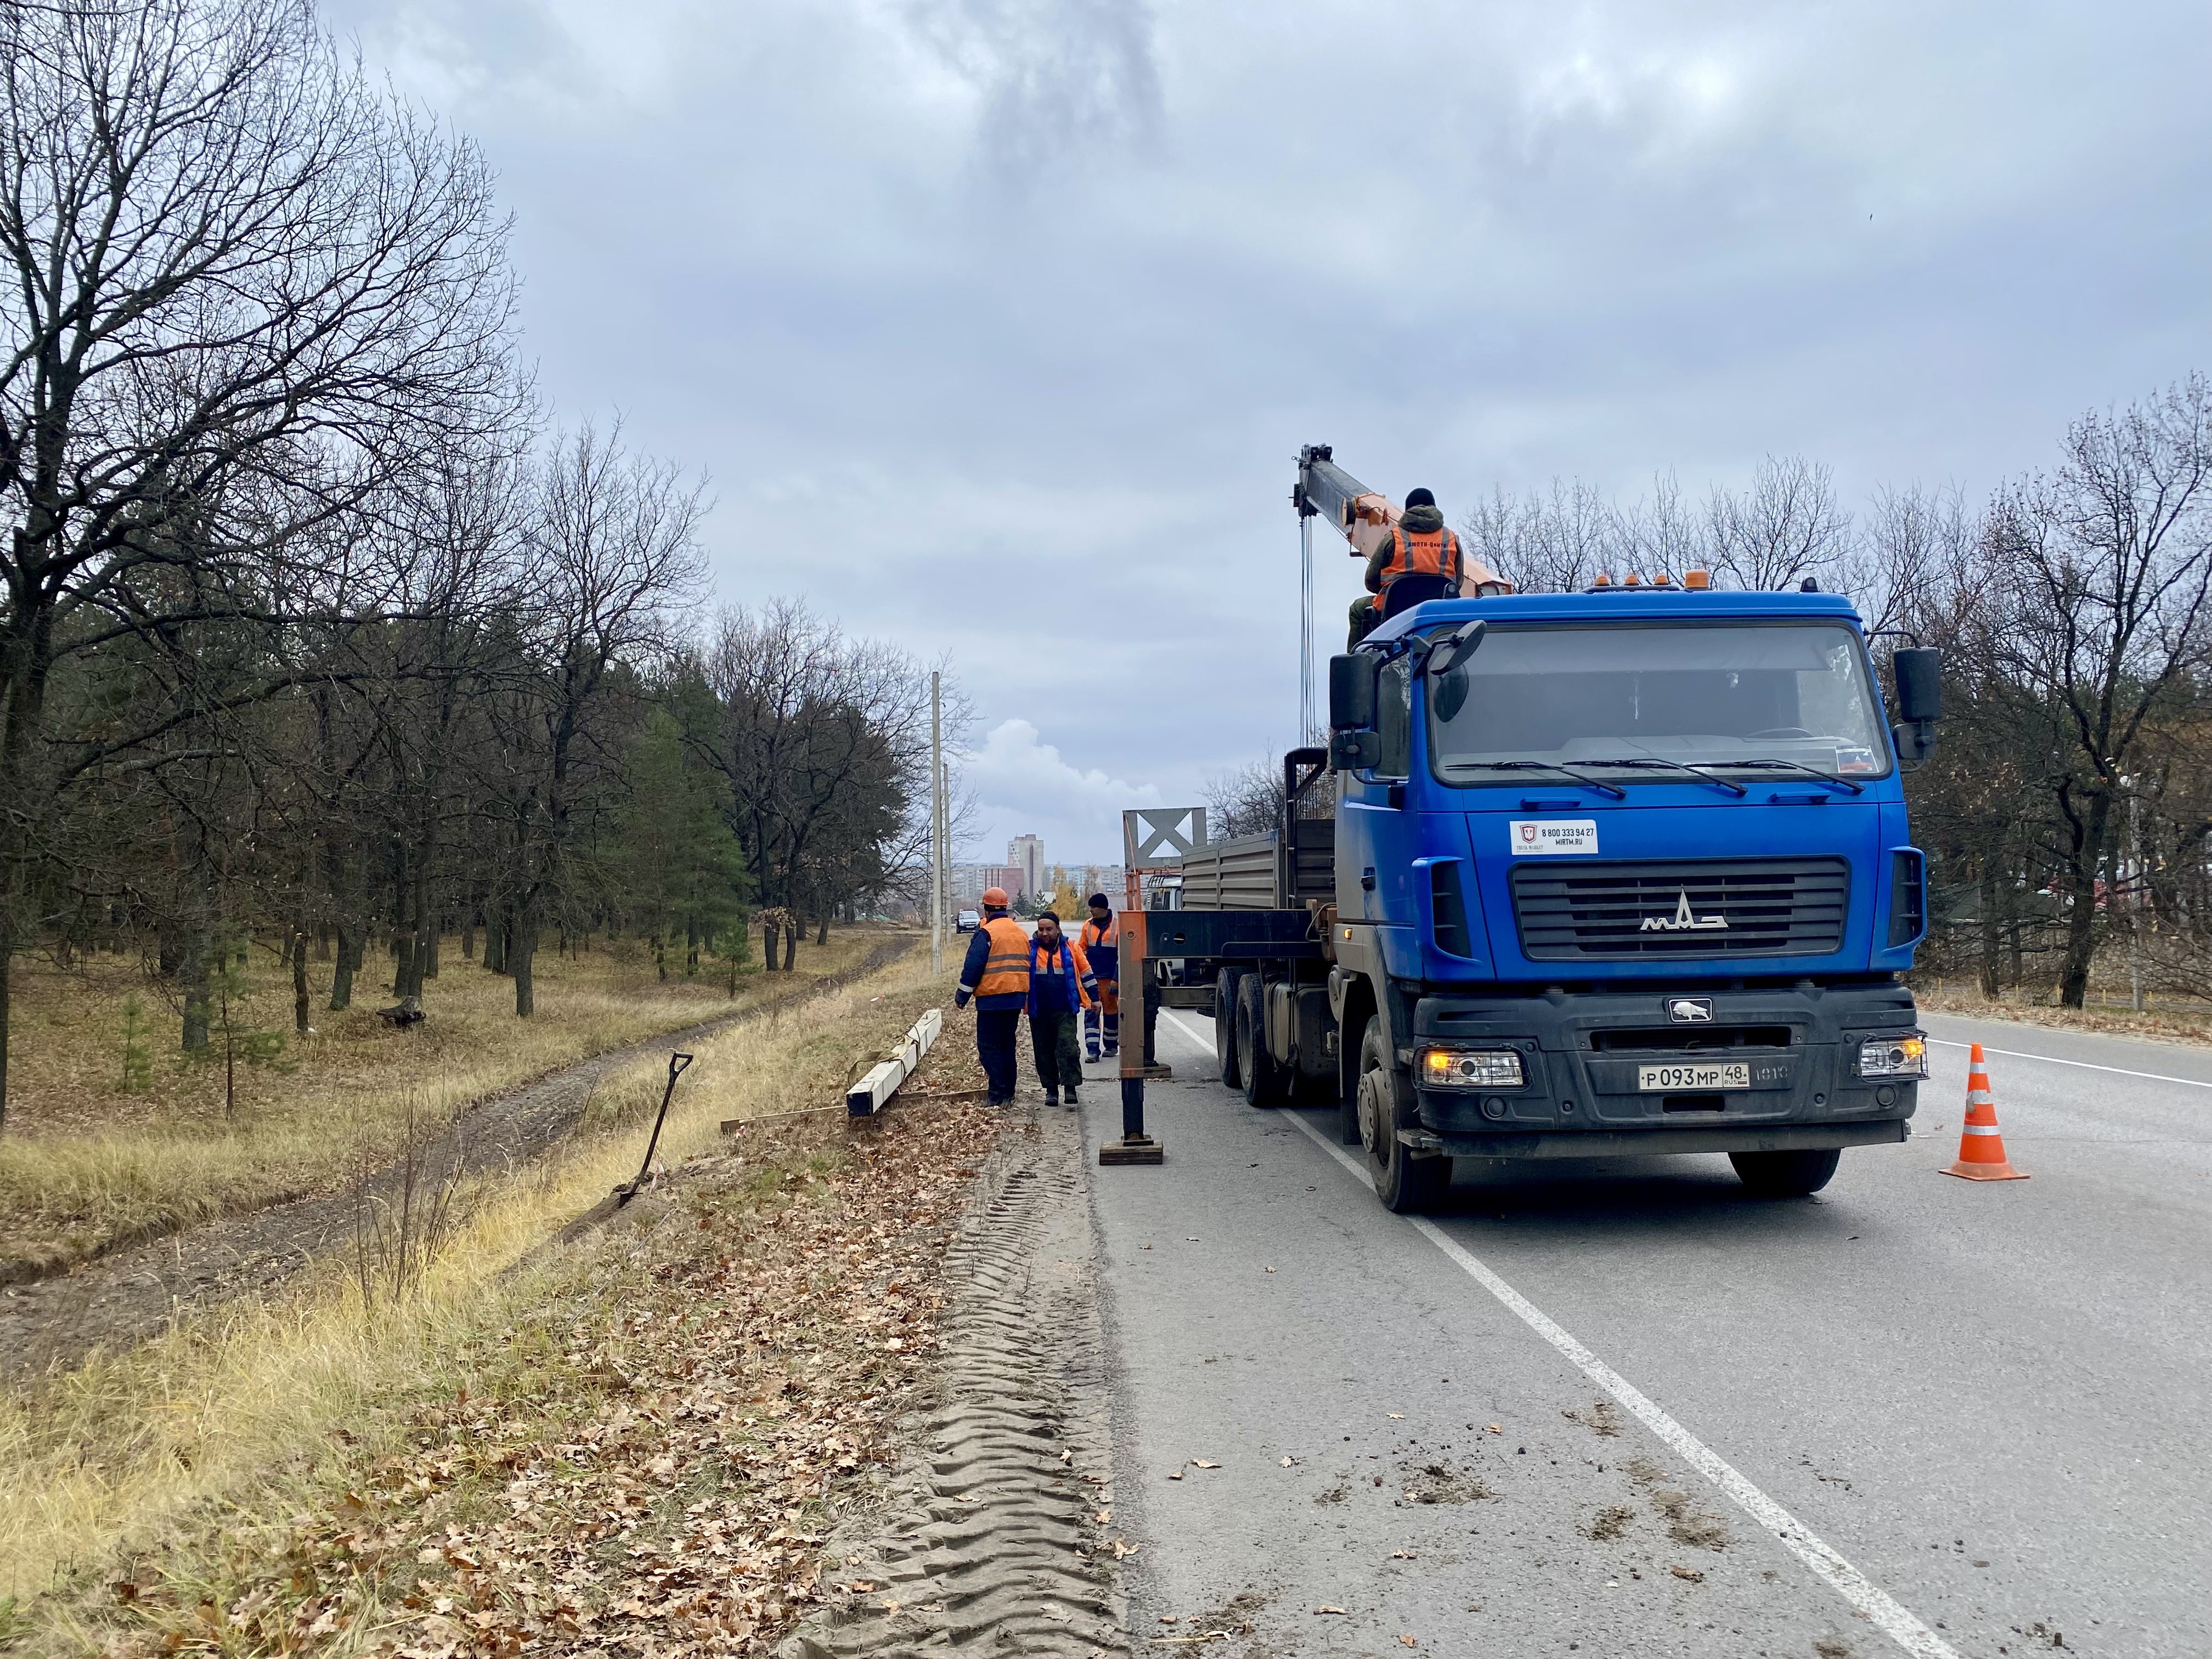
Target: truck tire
[1406,1185]
[1225,1026]
[1266,1082]
[1784,1174]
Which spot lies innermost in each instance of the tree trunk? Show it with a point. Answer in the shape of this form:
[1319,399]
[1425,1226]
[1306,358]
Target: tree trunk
[822,937]
[403,963]
[1990,930]
[468,936]
[2081,925]
[300,1023]
[519,952]
[429,963]
[768,941]
[7,963]
[341,974]
[790,946]
[193,970]
[496,941]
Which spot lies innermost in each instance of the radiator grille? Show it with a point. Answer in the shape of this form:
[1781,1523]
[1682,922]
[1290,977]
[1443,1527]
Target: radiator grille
[1600,912]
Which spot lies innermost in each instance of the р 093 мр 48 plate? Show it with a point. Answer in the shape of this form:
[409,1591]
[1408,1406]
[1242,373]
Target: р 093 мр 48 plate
[1731,1074]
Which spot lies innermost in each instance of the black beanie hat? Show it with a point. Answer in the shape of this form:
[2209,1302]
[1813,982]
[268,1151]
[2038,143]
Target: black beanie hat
[1419,498]
[1099,899]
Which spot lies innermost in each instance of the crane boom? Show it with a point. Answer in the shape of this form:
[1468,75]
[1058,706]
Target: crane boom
[1363,516]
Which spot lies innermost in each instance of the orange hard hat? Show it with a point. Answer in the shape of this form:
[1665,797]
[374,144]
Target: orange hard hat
[996,898]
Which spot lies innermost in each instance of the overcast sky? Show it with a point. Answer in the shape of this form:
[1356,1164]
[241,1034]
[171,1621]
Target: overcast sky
[997,325]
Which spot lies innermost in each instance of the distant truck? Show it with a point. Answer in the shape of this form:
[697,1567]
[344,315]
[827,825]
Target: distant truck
[1609,873]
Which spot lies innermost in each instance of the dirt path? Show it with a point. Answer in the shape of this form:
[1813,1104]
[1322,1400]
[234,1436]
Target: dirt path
[133,1294]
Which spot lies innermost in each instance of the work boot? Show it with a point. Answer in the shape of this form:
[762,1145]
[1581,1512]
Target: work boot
[1073,1102]
[1052,1096]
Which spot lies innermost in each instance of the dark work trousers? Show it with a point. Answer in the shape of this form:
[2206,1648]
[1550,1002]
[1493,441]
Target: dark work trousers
[994,1047]
[1053,1046]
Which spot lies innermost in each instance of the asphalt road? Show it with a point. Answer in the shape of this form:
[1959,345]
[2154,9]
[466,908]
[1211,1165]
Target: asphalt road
[1977,1411]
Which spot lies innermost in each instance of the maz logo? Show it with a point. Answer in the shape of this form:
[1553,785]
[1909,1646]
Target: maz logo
[1682,921]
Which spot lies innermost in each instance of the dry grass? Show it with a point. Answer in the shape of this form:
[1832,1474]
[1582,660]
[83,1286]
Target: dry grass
[2162,1024]
[152,1453]
[84,1164]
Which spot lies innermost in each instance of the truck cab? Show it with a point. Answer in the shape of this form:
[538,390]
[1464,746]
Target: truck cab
[1615,874]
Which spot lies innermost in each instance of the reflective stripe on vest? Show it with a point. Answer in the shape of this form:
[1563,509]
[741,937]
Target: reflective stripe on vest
[1421,553]
[1007,970]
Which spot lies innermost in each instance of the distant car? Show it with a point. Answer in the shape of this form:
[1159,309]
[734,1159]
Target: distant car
[968,922]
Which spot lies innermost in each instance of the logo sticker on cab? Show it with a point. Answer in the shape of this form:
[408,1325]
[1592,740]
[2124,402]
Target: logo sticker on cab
[1548,838]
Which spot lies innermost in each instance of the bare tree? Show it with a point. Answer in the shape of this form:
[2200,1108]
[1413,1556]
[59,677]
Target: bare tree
[1786,526]
[612,554]
[242,288]
[2106,564]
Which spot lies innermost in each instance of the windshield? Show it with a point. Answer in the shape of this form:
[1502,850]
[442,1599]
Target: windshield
[1625,700]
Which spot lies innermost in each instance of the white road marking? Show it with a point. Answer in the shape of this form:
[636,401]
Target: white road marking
[1887,1614]
[2083,1065]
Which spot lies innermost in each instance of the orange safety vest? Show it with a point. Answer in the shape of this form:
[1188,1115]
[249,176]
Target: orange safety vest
[1093,936]
[1421,553]
[1007,970]
[1067,950]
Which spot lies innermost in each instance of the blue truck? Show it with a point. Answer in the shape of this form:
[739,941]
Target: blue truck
[1608,873]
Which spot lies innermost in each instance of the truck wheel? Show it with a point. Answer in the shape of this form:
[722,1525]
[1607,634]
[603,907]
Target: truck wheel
[1406,1184]
[1266,1082]
[1784,1174]
[1225,1026]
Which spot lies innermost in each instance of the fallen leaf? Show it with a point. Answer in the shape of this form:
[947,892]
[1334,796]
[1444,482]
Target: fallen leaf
[1690,1573]
[1103,1516]
[1190,1241]
[1404,1555]
[1123,1549]
[1177,1475]
[1494,1428]
[1398,1416]
[1290,1462]
[1322,1610]
[1408,1641]
[1171,1619]
[1201,1463]
[1271,1270]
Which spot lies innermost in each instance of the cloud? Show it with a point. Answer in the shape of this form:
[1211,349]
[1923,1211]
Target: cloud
[1023,786]
[997,323]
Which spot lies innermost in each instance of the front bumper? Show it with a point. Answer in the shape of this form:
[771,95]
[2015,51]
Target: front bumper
[1582,1053]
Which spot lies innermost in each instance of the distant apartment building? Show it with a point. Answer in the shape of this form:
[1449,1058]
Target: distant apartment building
[966,882]
[1027,852]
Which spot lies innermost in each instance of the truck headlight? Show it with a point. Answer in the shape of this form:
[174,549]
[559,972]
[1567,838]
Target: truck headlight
[1894,1056]
[1479,1068]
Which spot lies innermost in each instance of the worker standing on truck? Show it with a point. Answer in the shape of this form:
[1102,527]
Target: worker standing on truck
[1101,941]
[1419,560]
[997,974]
[1061,986]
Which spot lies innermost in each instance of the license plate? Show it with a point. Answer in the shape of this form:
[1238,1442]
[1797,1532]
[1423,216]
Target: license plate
[1732,1074]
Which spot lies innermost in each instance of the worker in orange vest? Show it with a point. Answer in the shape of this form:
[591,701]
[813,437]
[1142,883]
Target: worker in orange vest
[1419,560]
[1061,987]
[1101,941]
[997,975]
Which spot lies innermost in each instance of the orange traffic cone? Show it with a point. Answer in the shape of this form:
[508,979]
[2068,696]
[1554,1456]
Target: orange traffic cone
[1981,1148]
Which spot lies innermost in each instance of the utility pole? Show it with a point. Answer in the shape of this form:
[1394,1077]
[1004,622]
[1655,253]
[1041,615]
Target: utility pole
[936,829]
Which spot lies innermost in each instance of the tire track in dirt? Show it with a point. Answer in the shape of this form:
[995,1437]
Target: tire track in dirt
[131,1294]
[989,1537]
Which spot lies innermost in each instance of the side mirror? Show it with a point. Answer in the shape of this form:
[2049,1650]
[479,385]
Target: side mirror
[1919,675]
[1354,751]
[1351,682]
[1455,647]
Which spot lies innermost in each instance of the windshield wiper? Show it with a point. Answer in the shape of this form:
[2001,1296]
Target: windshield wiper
[1703,773]
[1803,771]
[1583,778]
